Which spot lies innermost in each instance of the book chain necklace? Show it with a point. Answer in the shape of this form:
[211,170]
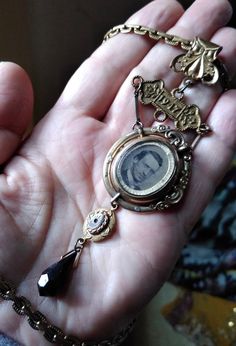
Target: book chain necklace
[149,169]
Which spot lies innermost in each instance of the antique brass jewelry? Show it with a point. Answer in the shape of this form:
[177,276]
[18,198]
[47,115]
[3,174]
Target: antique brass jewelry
[156,35]
[99,224]
[156,183]
[199,63]
[162,169]
[167,104]
[148,169]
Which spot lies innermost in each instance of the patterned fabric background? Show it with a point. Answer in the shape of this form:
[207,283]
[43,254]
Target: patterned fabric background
[208,262]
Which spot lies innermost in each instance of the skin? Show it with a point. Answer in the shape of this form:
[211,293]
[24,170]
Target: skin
[46,195]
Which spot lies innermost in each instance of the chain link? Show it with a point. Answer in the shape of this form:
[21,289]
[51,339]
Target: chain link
[7,291]
[53,334]
[151,33]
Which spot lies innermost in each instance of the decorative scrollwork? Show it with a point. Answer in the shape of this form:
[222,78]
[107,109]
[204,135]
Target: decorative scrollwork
[176,138]
[175,196]
[166,184]
[176,192]
[160,128]
[166,104]
[198,62]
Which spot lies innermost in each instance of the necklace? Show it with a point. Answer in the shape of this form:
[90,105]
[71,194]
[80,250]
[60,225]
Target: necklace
[149,169]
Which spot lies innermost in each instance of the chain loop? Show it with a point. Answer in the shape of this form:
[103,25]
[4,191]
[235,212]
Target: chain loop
[21,305]
[114,203]
[179,92]
[53,334]
[71,341]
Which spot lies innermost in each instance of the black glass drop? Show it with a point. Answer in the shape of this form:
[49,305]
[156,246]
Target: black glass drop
[54,277]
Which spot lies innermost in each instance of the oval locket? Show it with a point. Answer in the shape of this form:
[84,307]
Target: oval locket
[149,171]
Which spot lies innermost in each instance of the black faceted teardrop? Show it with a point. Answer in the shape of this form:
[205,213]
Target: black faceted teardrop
[54,277]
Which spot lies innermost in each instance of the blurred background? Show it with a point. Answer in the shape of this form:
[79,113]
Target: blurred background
[50,38]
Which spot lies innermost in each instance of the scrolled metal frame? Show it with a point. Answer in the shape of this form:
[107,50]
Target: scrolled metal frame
[170,194]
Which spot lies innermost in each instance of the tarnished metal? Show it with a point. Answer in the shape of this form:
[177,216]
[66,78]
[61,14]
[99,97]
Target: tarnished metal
[99,224]
[171,104]
[198,62]
[51,333]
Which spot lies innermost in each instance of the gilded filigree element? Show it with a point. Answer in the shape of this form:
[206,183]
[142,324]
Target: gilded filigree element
[177,191]
[168,105]
[99,224]
[198,62]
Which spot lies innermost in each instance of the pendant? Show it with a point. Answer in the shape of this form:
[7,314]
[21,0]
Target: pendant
[146,170]
[54,277]
[97,226]
[149,171]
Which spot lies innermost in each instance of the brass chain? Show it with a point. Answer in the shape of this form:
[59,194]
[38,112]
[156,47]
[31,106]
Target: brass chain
[156,35]
[197,50]
[53,334]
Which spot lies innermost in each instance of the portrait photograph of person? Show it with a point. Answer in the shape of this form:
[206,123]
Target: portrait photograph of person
[144,167]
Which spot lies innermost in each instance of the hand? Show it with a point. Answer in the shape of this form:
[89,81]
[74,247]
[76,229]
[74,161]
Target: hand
[53,179]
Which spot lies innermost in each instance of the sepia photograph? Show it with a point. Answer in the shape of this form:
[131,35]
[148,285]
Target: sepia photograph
[145,167]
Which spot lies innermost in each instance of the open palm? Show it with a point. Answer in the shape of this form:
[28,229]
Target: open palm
[54,179]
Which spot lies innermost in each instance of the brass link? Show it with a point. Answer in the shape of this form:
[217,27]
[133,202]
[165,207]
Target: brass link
[186,45]
[71,341]
[171,42]
[154,36]
[140,31]
[176,40]
[21,305]
[53,334]
[37,320]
